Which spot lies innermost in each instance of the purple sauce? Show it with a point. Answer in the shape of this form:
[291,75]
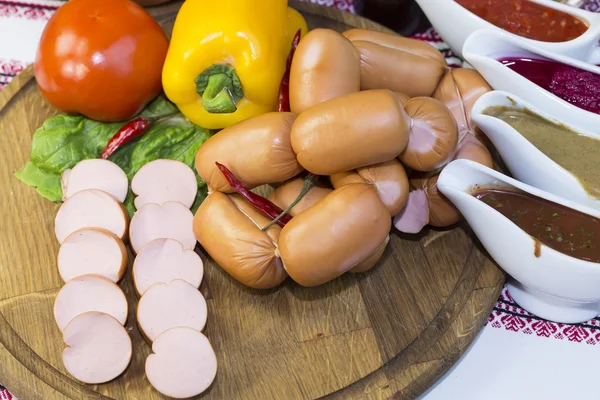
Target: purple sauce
[576,86]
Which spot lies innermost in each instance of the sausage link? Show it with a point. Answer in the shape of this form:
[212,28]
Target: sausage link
[426,205]
[256,150]
[371,260]
[335,235]
[459,89]
[401,71]
[388,178]
[325,65]
[285,194]
[349,132]
[402,98]
[229,229]
[433,134]
[397,42]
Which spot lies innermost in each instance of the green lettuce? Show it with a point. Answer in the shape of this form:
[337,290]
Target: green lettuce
[64,140]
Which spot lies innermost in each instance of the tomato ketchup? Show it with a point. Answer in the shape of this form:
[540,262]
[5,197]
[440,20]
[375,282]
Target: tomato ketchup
[528,19]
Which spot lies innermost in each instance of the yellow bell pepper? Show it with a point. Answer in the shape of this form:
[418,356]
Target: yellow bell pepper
[226,58]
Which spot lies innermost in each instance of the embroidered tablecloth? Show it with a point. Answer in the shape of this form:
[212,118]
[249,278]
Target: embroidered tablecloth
[516,356]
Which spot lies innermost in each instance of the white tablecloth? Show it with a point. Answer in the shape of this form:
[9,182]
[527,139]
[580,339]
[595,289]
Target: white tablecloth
[516,355]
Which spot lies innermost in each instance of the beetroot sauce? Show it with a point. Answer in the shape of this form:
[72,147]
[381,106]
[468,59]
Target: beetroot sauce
[576,86]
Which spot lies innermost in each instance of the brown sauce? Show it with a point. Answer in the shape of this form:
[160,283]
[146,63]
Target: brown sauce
[577,153]
[563,229]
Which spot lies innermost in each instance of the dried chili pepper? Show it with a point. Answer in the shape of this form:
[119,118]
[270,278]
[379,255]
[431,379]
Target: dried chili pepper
[263,205]
[131,130]
[283,104]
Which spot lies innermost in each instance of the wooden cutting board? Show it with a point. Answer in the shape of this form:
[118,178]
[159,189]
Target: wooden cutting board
[390,332]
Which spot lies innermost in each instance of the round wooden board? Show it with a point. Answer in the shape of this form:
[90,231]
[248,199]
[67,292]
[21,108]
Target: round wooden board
[390,332]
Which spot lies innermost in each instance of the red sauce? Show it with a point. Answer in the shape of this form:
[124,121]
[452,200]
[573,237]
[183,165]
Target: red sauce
[576,86]
[563,229]
[527,19]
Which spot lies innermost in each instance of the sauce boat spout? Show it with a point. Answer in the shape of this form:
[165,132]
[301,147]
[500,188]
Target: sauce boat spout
[457,181]
[546,282]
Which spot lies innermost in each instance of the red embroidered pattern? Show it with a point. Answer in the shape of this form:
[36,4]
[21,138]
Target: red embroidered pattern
[591,5]
[5,394]
[25,10]
[508,315]
[432,37]
[8,70]
[11,67]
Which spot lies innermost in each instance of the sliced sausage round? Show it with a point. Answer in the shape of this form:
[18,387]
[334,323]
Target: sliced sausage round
[92,251]
[160,181]
[183,363]
[97,174]
[89,293]
[325,65]
[164,260]
[98,348]
[91,208]
[351,131]
[230,230]
[171,220]
[164,306]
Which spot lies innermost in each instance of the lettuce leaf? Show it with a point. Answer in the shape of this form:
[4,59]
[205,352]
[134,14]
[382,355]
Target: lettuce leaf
[46,183]
[64,140]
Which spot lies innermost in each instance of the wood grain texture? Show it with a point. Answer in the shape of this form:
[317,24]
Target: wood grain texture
[390,332]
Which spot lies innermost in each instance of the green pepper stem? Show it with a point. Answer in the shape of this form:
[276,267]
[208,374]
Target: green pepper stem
[309,181]
[160,118]
[220,89]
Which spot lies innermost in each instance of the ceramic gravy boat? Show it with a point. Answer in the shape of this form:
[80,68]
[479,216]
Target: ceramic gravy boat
[456,29]
[483,49]
[553,286]
[525,162]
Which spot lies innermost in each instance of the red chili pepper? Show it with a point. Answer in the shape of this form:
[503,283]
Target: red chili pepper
[283,104]
[131,130]
[128,132]
[263,205]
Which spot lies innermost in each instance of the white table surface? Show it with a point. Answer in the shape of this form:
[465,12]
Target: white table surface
[514,357]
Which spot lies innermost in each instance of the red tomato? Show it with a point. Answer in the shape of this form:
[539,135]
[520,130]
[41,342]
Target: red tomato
[101,58]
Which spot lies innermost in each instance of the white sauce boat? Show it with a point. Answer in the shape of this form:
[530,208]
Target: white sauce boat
[483,49]
[525,162]
[553,286]
[455,23]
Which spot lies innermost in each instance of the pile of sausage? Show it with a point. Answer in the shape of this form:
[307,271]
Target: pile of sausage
[376,116]
[90,309]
